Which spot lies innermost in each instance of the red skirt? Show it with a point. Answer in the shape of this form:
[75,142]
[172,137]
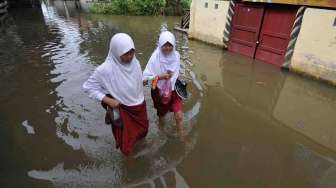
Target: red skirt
[174,105]
[134,127]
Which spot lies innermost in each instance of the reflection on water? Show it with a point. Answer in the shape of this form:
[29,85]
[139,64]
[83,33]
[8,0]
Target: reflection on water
[240,119]
[320,169]
[308,109]
[250,105]
[29,128]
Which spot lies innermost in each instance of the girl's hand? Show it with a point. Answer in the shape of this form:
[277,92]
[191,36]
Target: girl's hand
[165,76]
[111,102]
[145,82]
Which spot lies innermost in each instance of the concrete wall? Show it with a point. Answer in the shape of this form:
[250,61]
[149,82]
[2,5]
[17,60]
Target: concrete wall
[207,24]
[315,49]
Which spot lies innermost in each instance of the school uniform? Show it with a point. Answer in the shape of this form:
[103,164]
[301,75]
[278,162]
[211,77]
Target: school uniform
[159,64]
[123,82]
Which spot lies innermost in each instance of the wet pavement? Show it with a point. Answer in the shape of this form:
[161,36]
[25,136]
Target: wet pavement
[249,123]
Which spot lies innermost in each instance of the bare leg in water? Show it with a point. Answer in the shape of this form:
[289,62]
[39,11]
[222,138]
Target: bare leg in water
[161,123]
[179,124]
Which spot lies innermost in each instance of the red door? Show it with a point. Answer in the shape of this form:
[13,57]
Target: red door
[246,24]
[275,34]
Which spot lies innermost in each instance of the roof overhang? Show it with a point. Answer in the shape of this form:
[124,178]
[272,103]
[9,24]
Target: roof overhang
[316,3]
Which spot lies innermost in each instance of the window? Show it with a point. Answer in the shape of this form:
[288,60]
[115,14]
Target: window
[206,5]
[216,6]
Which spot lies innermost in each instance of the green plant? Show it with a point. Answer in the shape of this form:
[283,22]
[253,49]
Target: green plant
[102,8]
[138,7]
[186,4]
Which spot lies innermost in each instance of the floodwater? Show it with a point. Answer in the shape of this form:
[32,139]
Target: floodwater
[249,124]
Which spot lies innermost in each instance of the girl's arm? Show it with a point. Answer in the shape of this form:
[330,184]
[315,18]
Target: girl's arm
[177,73]
[93,87]
[111,102]
[148,73]
[166,76]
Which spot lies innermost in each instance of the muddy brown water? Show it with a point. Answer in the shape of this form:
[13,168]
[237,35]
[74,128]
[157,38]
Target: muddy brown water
[249,124]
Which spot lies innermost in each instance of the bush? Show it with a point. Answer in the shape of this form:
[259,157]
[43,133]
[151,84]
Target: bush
[145,7]
[135,7]
[186,4]
[102,8]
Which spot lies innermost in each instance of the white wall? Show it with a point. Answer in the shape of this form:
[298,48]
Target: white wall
[315,50]
[207,24]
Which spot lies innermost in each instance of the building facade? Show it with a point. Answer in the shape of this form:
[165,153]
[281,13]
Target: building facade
[294,34]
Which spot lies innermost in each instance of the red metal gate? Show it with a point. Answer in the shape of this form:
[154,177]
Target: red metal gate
[275,34]
[246,24]
[261,31]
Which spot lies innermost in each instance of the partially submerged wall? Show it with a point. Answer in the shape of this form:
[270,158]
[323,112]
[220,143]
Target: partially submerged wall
[207,22]
[315,49]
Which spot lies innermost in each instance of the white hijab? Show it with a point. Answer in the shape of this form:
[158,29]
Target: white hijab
[126,81]
[160,63]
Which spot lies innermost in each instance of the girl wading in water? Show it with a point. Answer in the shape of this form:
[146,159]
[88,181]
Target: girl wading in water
[164,67]
[117,84]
